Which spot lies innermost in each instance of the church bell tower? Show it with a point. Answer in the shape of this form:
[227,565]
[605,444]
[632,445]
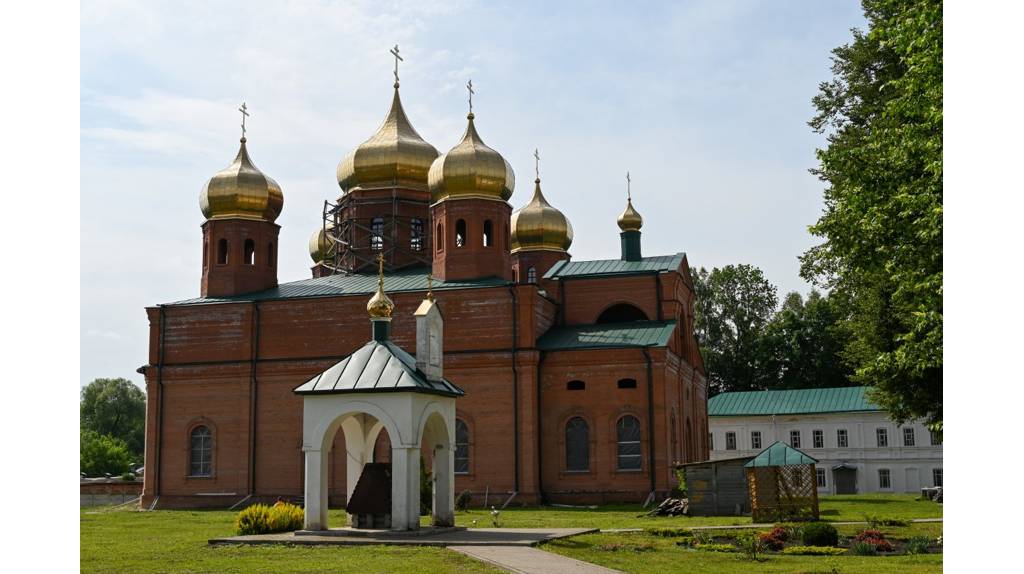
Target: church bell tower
[240,204]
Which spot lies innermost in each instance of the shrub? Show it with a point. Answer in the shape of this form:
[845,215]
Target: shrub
[918,545]
[285,517]
[100,454]
[668,532]
[863,549]
[775,539]
[701,537]
[128,476]
[814,550]
[874,521]
[685,541]
[751,545]
[874,538]
[819,534]
[253,520]
[716,547]
[462,501]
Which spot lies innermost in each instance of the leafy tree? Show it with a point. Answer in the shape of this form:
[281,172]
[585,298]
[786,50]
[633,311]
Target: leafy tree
[882,223]
[101,454]
[117,408]
[733,306]
[808,341]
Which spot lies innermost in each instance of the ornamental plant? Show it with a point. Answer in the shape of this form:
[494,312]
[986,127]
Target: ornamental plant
[253,520]
[774,539]
[820,534]
[875,538]
[814,551]
[285,517]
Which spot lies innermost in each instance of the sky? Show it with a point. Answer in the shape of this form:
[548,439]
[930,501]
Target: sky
[705,103]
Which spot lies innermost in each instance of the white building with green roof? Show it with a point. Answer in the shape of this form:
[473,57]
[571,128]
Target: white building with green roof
[858,447]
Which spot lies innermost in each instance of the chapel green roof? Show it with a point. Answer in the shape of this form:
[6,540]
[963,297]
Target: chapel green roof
[607,335]
[791,402]
[780,454]
[408,279]
[657,264]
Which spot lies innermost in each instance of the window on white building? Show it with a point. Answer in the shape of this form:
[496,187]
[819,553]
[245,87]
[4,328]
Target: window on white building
[936,477]
[711,441]
[819,438]
[755,440]
[884,480]
[794,438]
[908,436]
[842,439]
[730,441]
[883,437]
[821,477]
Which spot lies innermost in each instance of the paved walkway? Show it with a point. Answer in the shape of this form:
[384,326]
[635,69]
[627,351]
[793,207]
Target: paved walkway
[527,560]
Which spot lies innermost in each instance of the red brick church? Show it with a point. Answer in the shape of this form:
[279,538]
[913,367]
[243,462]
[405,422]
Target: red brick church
[583,381]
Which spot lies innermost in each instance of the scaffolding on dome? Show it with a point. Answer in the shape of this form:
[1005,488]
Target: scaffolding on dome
[353,243]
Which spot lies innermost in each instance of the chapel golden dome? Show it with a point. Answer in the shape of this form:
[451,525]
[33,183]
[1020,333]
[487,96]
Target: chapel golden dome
[241,191]
[380,306]
[471,170]
[539,226]
[395,156]
[319,245]
[630,219]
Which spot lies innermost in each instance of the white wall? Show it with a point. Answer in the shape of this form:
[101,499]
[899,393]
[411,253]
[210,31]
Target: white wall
[910,467]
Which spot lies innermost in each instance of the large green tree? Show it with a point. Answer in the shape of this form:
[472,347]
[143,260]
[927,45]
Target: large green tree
[733,306]
[100,454]
[808,340]
[116,408]
[882,223]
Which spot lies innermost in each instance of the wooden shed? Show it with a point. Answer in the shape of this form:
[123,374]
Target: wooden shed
[717,487]
[783,485]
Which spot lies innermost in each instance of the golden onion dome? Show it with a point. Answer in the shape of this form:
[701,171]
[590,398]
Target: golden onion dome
[539,226]
[394,156]
[380,306]
[630,220]
[319,245]
[471,170]
[241,191]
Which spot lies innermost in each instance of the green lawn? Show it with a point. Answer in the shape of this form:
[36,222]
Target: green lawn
[175,541]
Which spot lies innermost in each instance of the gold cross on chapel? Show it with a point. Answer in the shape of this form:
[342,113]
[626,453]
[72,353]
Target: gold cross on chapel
[469,86]
[380,270]
[536,162]
[245,114]
[629,193]
[394,52]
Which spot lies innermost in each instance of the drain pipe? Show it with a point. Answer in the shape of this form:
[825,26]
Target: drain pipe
[159,406]
[515,384]
[650,418]
[540,442]
[254,354]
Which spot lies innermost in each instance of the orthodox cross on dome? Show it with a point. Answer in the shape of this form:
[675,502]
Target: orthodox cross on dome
[536,162]
[245,114]
[430,287]
[394,52]
[469,86]
[380,270]
[629,193]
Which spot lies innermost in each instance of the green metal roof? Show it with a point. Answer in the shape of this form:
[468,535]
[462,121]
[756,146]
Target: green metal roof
[799,401]
[409,279]
[607,335]
[377,367]
[659,264]
[780,454]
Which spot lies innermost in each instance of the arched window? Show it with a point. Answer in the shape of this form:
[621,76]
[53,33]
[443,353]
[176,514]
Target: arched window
[222,251]
[461,447]
[270,254]
[627,383]
[621,313]
[250,252]
[439,238]
[628,434]
[416,234]
[576,386]
[206,253]
[377,233]
[460,233]
[488,237]
[577,445]
[201,452]
[531,275]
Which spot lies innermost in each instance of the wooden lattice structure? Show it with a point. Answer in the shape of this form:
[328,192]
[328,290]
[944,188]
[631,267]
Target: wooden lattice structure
[783,485]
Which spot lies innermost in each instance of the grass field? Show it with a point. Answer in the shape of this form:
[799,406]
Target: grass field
[175,541]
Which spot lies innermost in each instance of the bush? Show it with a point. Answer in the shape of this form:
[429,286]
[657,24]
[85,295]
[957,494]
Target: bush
[253,520]
[918,545]
[775,539]
[814,550]
[716,547]
[701,537]
[874,538]
[751,544]
[128,476]
[102,454]
[819,534]
[462,501]
[285,517]
[863,549]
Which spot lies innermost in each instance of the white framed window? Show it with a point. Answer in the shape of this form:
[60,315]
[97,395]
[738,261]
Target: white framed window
[711,441]
[461,447]
[842,438]
[794,438]
[201,452]
[821,477]
[908,436]
[936,477]
[628,431]
[730,441]
[882,436]
[884,479]
[755,440]
[818,436]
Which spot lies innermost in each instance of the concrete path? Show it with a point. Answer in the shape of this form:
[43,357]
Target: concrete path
[527,560]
